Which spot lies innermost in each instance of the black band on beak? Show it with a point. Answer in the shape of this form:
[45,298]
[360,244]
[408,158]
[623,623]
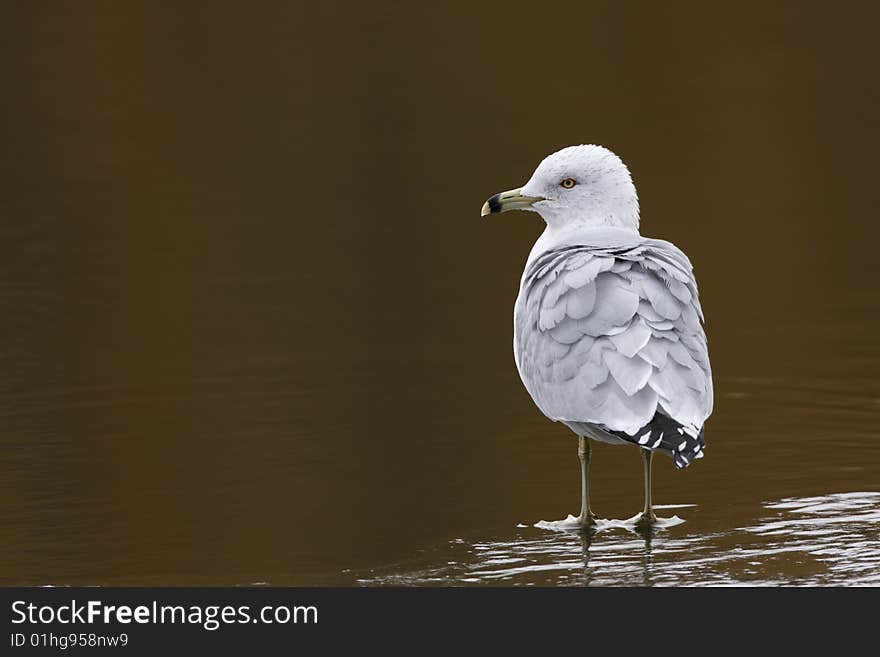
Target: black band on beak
[495,204]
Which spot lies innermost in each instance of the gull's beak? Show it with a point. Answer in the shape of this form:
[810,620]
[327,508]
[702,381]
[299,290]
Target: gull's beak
[512,200]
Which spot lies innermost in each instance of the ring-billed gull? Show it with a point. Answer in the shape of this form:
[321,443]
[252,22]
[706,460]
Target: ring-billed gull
[608,336]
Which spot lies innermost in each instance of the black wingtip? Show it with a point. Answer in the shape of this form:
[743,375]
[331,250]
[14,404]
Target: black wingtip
[665,435]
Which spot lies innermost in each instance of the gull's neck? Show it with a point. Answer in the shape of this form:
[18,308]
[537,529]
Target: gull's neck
[583,234]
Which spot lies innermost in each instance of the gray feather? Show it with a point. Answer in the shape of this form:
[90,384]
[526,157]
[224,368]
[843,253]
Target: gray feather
[633,339]
[607,334]
[631,374]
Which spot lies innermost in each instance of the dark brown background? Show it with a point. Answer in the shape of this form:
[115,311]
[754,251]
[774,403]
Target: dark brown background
[253,329]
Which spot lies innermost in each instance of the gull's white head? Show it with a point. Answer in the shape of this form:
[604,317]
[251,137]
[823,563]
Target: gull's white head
[579,185]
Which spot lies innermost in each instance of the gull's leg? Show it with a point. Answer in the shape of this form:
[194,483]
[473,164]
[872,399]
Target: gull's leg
[586,518]
[647,516]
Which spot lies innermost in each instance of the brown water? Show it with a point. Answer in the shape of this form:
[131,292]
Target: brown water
[253,329]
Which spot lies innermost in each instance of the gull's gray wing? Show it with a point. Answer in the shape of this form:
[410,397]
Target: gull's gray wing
[611,337]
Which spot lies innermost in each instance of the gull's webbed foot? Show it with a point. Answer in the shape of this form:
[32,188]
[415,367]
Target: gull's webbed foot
[587,521]
[648,519]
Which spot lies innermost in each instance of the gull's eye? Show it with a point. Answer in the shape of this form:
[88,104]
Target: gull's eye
[568,183]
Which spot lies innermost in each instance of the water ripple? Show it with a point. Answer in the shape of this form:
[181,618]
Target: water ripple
[828,540]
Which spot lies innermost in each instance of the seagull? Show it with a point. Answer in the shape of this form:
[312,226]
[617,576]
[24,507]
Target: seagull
[608,330]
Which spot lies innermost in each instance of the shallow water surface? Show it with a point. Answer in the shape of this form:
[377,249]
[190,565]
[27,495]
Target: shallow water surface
[253,329]
[813,541]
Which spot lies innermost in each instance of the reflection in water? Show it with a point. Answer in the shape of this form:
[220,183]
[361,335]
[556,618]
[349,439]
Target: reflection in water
[829,540]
